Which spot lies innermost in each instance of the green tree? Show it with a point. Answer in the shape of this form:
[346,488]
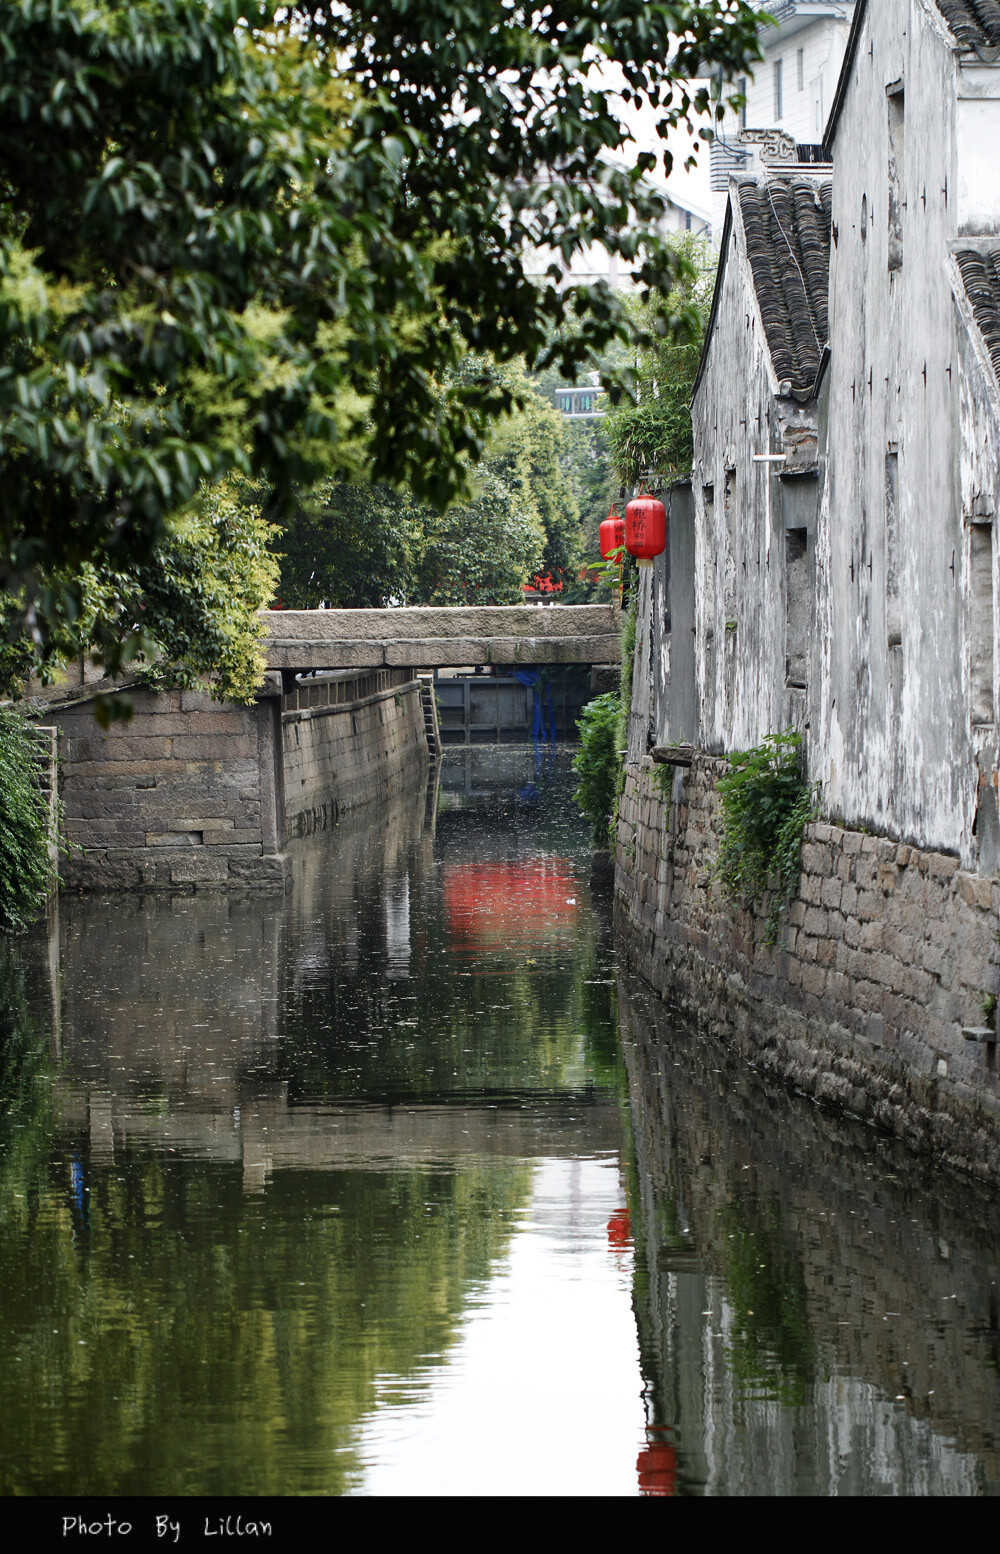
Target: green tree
[481,551]
[236,235]
[350,546]
[652,432]
[526,452]
[353,545]
[202,591]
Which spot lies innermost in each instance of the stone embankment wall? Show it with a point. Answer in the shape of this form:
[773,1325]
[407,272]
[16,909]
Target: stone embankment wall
[840,1244]
[889,955]
[192,792]
[188,792]
[348,741]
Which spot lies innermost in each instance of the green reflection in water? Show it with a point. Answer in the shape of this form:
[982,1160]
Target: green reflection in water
[25,1096]
[282,1151]
[176,1335]
[771,1348]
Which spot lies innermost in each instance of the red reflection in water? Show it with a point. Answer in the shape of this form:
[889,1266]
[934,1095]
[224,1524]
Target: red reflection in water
[657,1464]
[487,903]
[620,1230]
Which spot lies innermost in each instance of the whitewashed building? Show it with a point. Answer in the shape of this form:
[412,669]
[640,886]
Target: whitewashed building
[841,555]
[833,564]
[791,90]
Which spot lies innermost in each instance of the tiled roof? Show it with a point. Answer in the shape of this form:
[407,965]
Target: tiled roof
[787,226]
[981,278]
[976,23]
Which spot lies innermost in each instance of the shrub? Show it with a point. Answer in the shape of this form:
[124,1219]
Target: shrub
[597,762]
[765,805]
[25,869]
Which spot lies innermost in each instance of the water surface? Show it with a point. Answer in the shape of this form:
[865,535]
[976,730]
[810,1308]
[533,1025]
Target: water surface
[401,1185]
[312,1195]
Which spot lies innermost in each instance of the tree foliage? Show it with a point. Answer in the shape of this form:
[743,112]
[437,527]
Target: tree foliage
[481,551]
[238,235]
[371,544]
[349,545]
[25,870]
[202,593]
[651,433]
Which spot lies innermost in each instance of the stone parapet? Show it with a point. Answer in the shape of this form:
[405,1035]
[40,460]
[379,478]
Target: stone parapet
[888,955]
[420,623]
[290,653]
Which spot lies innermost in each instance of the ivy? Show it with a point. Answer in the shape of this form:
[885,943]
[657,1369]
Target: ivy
[765,806]
[624,708]
[603,729]
[25,870]
[597,762]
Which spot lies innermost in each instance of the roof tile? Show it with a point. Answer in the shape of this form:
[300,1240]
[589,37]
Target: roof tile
[976,23]
[787,223]
[981,278]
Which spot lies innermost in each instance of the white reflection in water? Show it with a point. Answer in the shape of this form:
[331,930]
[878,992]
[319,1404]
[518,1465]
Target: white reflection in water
[541,1392]
[396,906]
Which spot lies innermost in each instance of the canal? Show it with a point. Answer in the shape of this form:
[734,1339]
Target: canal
[399,1185]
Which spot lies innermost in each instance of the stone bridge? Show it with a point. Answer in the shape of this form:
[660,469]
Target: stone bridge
[424,638]
[193,792]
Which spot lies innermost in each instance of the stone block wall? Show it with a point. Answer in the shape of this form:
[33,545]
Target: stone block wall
[192,792]
[188,792]
[340,754]
[888,956]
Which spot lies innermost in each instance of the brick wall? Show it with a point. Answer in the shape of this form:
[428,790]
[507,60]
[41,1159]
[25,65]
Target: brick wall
[885,961]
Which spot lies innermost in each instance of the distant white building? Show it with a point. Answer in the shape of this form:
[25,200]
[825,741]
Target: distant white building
[791,90]
[594,263]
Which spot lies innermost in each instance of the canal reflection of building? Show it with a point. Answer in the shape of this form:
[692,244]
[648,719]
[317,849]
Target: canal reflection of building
[236,1030]
[817,1311]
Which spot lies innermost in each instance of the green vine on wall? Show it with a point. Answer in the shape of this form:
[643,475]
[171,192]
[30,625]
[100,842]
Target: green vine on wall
[597,761]
[766,804]
[603,730]
[624,710]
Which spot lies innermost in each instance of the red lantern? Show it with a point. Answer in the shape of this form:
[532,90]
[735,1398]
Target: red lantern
[612,535]
[645,528]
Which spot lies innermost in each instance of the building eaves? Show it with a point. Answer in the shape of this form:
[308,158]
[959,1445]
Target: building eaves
[974,23]
[706,345]
[980,272]
[860,12]
[787,227]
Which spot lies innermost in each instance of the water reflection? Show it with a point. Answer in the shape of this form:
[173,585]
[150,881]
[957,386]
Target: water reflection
[343,1192]
[294,1157]
[817,1310]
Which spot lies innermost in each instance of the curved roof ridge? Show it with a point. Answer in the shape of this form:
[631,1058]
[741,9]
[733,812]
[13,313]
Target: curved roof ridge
[787,230]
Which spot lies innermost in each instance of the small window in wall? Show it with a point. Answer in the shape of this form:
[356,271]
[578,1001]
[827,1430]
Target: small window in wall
[893,607]
[798,608]
[732,523]
[708,508]
[896,168]
[981,622]
[742,89]
[778,95]
[801,69]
